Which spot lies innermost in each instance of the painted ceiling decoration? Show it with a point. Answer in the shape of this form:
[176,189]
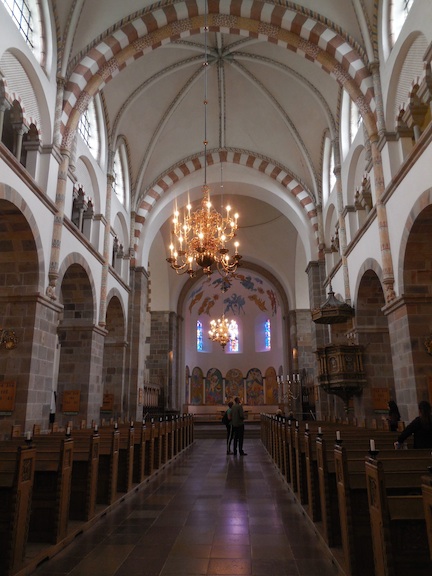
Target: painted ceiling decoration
[237,293]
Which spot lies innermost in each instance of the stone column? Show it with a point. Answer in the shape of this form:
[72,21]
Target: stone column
[58,224]
[386,259]
[408,322]
[59,109]
[319,333]
[20,130]
[375,69]
[107,238]
[136,336]
[341,220]
[4,105]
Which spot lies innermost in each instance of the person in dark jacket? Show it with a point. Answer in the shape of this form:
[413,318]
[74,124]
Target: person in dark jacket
[237,423]
[393,415]
[229,436]
[420,427]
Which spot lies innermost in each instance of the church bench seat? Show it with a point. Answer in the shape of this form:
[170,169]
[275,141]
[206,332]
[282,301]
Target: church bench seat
[397,516]
[403,476]
[51,487]
[17,465]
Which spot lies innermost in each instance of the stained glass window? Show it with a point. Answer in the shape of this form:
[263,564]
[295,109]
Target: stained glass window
[199,336]
[267,334]
[234,336]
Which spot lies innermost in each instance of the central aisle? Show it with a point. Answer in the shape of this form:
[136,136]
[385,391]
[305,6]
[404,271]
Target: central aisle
[207,513]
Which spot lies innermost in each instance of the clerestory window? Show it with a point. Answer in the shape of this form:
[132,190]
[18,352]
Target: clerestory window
[27,18]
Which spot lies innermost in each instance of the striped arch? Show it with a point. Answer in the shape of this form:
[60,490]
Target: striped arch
[242,157]
[295,31]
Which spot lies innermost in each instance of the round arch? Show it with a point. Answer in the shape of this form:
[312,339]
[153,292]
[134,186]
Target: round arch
[244,158]
[70,260]
[9,194]
[423,202]
[334,53]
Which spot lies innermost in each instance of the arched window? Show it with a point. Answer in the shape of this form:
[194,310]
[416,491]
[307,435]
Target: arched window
[27,18]
[88,129]
[355,121]
[399,10]
[199,336]
[121,174]
[329,178]
[233,330]
[267,334]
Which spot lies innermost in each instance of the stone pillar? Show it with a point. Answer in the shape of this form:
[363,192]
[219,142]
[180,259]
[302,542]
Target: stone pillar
[58,224]
[137,346]
[341,221]
[32,363]
[4,105]
[386,260]
[319,333]
[59,109]
[375,69]
[160,362]
[107,238]
[81,368]
[20,130]
[408,323]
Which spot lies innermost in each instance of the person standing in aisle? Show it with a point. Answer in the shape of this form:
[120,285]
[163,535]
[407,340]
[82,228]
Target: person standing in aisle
[227,421]
[237,423]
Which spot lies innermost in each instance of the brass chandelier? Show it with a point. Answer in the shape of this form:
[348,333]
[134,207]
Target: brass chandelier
[199,239]
[220,331]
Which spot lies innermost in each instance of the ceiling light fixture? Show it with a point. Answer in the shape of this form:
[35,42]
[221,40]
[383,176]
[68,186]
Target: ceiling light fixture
[220,331]
[199,239]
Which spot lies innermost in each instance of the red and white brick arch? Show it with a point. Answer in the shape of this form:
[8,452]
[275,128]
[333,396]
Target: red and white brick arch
[241,157]
[298,31]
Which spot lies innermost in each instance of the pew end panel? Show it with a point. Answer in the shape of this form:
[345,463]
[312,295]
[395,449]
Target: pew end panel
[397,516]
[17,465]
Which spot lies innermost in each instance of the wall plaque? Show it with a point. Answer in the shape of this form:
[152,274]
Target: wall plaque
[71,401]
[380,398]
[7,396]
[107,403]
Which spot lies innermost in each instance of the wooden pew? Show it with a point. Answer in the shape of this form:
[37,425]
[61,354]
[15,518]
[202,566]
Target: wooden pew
[327,496]
[353,504]
[85,469]
[125,458]
[149,449]
[108,467]
[17,465]
[51,488]
[399,532]
[139,454]
[426,487]
[312,479]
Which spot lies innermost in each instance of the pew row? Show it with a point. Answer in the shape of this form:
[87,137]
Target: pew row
[17,465]
[74,481]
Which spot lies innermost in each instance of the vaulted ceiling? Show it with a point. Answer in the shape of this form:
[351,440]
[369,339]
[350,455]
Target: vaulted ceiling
[273,87]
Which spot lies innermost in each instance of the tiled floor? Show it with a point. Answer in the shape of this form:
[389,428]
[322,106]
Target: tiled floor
[207,513]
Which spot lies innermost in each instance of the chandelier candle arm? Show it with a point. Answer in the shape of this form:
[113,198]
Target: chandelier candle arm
[199,239]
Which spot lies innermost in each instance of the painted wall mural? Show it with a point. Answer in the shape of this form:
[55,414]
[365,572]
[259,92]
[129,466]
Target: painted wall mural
[234,384]
[197,379]
[254,387]
[187,376]
[214,387]
[271,388]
